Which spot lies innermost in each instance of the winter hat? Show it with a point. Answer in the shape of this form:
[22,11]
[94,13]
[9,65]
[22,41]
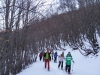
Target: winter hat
[69,53]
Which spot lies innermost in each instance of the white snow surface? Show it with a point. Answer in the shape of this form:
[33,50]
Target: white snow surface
[83,66]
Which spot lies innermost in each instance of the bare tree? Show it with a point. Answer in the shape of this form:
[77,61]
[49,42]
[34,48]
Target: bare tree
[15,54]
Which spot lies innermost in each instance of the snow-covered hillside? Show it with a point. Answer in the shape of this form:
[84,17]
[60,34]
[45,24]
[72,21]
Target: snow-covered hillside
[82,66]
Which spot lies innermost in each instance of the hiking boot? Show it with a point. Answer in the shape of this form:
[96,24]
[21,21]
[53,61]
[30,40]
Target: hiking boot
[69,73]
[48,69]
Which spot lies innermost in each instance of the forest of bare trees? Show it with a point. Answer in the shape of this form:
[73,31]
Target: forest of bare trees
[26,31]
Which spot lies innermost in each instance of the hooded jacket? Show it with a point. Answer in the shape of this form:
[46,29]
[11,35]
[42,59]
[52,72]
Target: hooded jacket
[68,59]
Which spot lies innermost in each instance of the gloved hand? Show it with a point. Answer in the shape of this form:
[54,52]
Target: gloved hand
[73,62]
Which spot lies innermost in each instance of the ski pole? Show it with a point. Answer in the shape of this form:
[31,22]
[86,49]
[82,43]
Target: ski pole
[72,66]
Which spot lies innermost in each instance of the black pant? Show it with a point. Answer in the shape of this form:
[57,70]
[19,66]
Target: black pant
[40,58]
[55,59]
[68,67]
[60,63]
[50,58]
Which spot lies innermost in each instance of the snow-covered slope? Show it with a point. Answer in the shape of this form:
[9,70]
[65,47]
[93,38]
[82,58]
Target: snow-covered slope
[82,66]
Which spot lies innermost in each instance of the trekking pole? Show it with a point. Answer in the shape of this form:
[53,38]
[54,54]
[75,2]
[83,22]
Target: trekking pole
[73,65]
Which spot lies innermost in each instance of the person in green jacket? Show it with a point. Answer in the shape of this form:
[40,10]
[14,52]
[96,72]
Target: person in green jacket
[69,58]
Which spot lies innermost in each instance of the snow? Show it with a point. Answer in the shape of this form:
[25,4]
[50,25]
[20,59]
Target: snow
[83,66]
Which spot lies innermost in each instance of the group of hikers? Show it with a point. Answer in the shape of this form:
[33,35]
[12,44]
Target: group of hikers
[48,56]
[53,56]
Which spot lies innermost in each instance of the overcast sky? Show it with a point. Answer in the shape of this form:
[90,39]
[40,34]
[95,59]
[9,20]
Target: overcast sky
[48,6]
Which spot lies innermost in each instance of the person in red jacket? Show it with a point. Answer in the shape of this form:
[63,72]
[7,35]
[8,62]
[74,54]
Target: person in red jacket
[40,56]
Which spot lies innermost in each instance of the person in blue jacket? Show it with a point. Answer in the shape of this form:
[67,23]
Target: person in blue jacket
[55,57]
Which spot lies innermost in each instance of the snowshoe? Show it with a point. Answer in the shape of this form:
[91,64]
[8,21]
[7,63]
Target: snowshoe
[48,70]
[69,73]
